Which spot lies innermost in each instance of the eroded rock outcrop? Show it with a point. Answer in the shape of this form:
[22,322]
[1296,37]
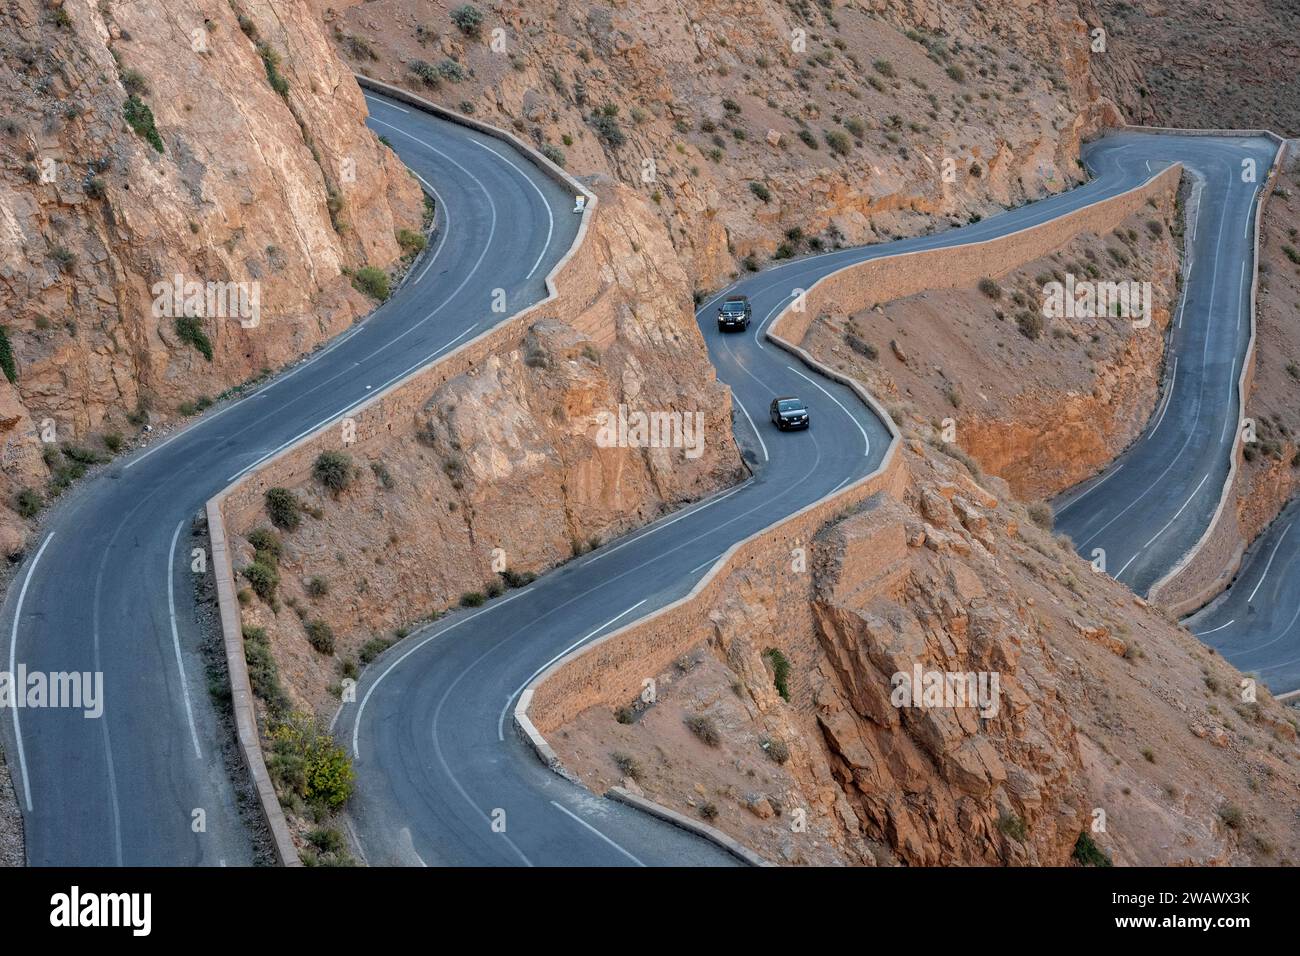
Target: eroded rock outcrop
[503,466]
[221,142]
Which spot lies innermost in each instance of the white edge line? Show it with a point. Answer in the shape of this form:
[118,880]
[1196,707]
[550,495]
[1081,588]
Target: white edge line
[550,216]
[349,407]
[13,653]
[1268,565]
[361,708]
[176,639]
[563,809]
[744,411]
[576,644]
[852,418]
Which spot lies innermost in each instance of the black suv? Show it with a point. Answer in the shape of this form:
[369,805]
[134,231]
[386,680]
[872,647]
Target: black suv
[733,314]
[789,412]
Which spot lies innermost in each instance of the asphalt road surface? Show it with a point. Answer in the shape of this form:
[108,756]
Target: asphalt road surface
[107,587]
[1151,506]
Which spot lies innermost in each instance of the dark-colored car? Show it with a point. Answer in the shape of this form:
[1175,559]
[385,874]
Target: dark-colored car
[789,412]
[733,314]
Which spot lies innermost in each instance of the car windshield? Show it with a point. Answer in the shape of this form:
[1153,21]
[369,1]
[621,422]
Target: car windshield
[735,305]
[790,405]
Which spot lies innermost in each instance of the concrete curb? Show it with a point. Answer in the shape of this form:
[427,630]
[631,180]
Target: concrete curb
[250,743]
[712,834]
[241,691]
[534,738]
[1181,609]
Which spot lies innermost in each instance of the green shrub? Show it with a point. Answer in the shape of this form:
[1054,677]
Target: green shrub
[553,153]
[82,455]
[838,142]
[411,241]
[780,671]
[307,761]
[472,599]
[518,579]
[320,636]
[334,470]
[263,673]
[190,331]
[1087,853]
[283,508]
[1030,324]
[704,728]
[1040,513]
[373,648]
[263,578]
[449,69]
[777,749]
[1013,826]
[372,282]
[761,191]
[271,61]
[607,128]
[7,363]
[990,288]
[112,441]
[627,765]
[318,587]
[28,502]
[427,72]
[266,542]
[140,118]
[468,19]
[1232,816]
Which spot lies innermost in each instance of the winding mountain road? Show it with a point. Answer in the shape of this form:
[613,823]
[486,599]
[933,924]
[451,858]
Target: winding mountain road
[435,753]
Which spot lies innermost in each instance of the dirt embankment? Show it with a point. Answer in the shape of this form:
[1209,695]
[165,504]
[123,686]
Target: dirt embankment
[501,468]
[1271,470]
[218,141]
[1041,402]
[761,128]
[1105,709]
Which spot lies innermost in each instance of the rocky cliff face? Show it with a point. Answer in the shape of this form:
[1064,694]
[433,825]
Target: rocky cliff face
[219,142]
[761,128]
[504,468]
[1102,710]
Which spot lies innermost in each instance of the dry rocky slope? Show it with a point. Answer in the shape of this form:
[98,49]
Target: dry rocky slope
[286,189]
[754,139]
[1201,63]
[1108,711]
[1041,403]
[502,456]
